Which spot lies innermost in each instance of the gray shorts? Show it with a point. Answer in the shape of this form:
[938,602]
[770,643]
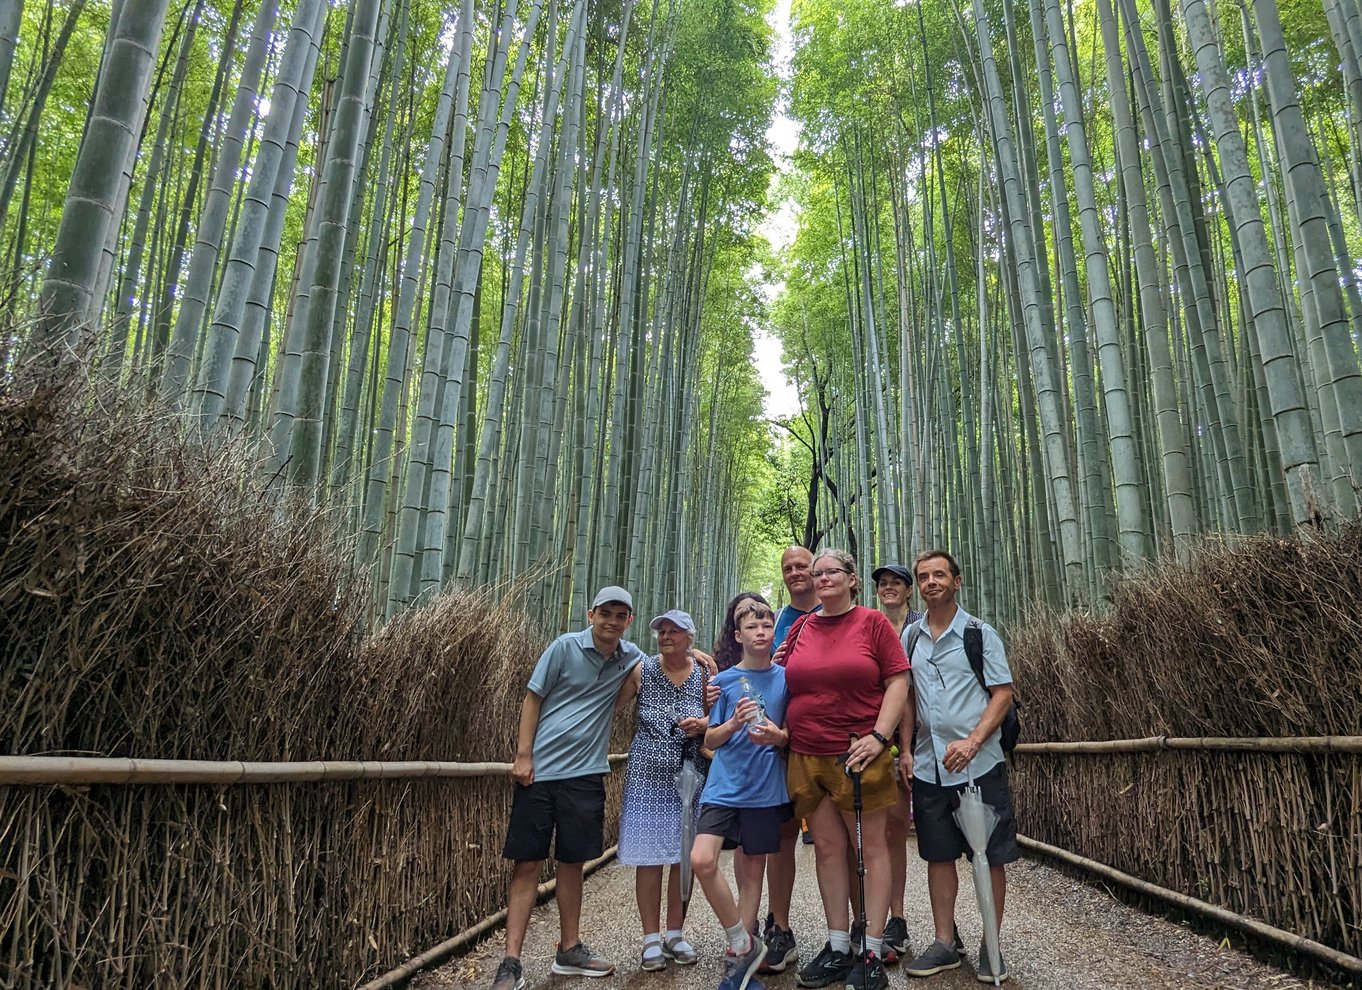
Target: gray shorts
[939,839]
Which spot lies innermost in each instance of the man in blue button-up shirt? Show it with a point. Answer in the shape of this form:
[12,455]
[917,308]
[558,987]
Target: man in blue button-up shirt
[958,739]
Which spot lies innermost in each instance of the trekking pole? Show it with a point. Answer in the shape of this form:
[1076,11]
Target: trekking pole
[860,850]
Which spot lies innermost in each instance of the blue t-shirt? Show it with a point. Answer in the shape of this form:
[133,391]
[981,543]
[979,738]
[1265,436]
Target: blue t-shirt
[744,774]
[785,619]
[578,686]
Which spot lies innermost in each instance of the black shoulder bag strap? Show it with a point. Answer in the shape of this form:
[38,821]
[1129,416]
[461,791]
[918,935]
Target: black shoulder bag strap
[974,649]
[913,636]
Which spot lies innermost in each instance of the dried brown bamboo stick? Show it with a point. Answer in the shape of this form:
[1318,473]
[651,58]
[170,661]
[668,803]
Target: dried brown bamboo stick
[1289,940]
[39,770]
[1269,744]
[449,946]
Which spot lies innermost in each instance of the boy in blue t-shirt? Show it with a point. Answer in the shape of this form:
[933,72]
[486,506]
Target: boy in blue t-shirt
[744,802]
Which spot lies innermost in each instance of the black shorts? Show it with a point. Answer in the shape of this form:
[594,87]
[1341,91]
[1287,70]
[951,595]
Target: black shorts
[575,808]
[757,830]
[939,839]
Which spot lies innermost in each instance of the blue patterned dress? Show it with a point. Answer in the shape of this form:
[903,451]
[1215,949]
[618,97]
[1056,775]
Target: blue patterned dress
[650,833]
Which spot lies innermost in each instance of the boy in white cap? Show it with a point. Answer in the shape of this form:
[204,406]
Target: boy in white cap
[561,759]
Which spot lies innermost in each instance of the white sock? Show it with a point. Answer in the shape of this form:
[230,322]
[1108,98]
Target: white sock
[651,938]
[738,938]
[840,941]
[874,944]
[672,933]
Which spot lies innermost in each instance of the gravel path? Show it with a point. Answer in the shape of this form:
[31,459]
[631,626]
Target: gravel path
[1060,934]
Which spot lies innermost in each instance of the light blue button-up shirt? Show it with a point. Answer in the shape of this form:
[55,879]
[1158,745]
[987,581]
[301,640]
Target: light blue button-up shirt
[950,701]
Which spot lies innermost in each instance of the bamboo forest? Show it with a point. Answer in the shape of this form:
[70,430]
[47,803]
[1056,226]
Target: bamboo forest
[1066,286]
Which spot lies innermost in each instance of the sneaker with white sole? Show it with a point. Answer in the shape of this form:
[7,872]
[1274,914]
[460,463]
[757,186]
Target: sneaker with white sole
[781,951]
[867,974]
[830,967]
[739,968]
[581,961]
[896,945]
[509,975]
[984,971]
[934,959]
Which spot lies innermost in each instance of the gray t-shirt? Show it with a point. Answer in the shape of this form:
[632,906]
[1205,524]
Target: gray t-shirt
[579,687]
[950,701]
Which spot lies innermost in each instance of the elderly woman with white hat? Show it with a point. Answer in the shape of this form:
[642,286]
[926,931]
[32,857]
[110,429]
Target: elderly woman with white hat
[671,710]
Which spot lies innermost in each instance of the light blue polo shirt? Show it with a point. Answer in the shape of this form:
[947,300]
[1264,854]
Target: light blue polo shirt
[950,701]
[578,687]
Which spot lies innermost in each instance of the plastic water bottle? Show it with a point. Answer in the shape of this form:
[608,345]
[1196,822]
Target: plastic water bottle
[748,691]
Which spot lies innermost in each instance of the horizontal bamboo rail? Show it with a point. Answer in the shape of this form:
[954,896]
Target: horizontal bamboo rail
[1284,744]
[76,770]
[439,953]
[1258,929]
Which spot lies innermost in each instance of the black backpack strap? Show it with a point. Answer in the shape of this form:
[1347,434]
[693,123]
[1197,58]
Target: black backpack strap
[914,635]
[974,649]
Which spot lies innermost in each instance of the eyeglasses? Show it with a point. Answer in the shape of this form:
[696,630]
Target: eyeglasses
[830,571]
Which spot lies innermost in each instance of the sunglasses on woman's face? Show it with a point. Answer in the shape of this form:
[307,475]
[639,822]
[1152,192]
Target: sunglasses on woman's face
[830,571]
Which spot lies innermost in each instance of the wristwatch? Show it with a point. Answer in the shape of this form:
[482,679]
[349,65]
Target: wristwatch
[880,736]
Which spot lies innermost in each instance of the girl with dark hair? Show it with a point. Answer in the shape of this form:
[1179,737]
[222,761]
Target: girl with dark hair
[727,650]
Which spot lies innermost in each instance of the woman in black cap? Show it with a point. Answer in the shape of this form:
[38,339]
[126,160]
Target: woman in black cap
[894,588]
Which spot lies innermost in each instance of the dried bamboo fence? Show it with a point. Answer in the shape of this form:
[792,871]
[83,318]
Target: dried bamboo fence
[153,603]
[1203,735]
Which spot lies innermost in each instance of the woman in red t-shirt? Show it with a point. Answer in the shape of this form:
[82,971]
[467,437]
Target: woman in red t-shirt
[846,674]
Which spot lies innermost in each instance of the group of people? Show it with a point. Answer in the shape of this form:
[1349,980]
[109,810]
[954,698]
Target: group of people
[862,723]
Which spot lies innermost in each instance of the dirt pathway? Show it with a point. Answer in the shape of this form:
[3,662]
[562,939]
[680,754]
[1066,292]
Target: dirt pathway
[1060,934]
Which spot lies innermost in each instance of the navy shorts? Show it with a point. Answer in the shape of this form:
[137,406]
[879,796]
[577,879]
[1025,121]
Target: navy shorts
[939,839]
[757,830]
[574,808]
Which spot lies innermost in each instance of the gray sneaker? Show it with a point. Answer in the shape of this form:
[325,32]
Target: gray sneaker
[738,969]
[678,949]
[936,957]
[509,975]
[984,971]
[581,961]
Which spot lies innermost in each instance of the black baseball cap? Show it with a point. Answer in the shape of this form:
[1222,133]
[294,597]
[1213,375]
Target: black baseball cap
[898,570]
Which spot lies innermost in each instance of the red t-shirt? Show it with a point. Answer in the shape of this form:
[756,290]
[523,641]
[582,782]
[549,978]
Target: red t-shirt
[835,678]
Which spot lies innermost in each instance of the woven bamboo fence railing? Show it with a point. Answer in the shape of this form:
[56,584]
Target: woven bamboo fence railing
[244,874]
[1203,733]
[1302,853]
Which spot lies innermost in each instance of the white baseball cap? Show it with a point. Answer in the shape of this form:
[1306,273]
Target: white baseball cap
[677,618]
[613,593]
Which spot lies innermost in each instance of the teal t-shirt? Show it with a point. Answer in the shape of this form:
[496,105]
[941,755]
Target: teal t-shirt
[785,620]
[744,774]
[578,687]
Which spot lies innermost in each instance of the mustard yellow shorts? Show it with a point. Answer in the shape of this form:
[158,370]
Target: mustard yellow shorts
[812,778]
